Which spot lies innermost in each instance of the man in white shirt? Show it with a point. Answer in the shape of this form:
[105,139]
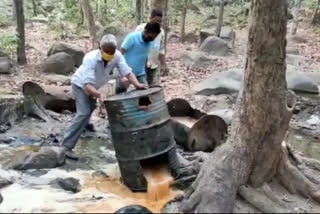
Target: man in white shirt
[156,57]
[95,71]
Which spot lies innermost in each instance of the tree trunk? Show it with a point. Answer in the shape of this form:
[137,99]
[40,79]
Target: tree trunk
[166,23]
[142,11]
[220,18]
[147,6]
[21,54]
[81,13]
[158,4]
[295,23]
[34,7]
[252,155]
[90,22]
[315,14]
[183,20]
[138,11]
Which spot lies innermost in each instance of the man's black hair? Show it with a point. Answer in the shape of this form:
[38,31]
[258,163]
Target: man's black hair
[156,12]
[153,27]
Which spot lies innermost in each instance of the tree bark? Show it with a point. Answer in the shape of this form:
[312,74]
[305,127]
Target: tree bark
[220,18]
[90,21]
[166,23]
[21,53]
[81,13]
[34,7]
[295,23]
[183,20]
[138,11]
[251,155]
[315,14]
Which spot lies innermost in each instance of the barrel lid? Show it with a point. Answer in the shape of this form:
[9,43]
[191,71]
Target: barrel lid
[134,94]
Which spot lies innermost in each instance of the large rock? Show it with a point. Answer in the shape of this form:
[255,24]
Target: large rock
[6,65]
[59,63]
[225,114]
[227,34]
[34,157]
[117,31]
[4,182]
[57,78]
[75,52]
[215,46]
[195,59]
[292,50]
[296,39]
[300,82]
[224,83]
[296,60]
[315,76]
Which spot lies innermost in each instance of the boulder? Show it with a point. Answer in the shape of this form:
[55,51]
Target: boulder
[227,33]
[4,182]
[215,46]
[292,50]
[225,114]
[58,78]
[75,52]
[35,157]
[59,63]
[1,198]
[6,65]
[300,82]
[315,76]
[191,37]
[117,31]
[296,39]
[224,83]
[68,184]
[296,60]
[195,59]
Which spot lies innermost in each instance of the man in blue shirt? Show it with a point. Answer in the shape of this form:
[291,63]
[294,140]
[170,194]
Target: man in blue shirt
[135,49]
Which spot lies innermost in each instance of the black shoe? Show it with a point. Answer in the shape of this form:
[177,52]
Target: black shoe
[70,154]
[90,127]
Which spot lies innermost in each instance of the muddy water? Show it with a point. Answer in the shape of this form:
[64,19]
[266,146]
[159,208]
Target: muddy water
[307,145]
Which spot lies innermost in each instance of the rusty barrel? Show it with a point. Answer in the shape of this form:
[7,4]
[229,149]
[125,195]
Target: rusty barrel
[140,124]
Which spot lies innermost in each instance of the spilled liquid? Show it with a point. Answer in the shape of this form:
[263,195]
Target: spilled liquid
[155,199]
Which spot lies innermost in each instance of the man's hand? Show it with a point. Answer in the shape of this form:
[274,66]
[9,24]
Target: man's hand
[142,86]
[90,90]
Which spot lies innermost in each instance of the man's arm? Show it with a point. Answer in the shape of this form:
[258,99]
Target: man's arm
[90,78]
[90,90]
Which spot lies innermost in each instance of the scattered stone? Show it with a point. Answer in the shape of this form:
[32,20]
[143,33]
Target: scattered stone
[6,66]
[195,59]
[76,53]
[59,63]
[99,174]
[300,82]
[37,173]
[35,157]
[5,139]
[227,33]
[4,183]
[215,46]
[69,184]
[133,209]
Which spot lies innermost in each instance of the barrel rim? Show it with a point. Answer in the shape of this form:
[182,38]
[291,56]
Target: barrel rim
[128,95]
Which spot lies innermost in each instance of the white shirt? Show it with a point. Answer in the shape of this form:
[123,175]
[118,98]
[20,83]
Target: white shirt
[93,71]
[158,48]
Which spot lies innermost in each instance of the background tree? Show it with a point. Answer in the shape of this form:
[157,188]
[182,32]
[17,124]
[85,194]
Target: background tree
[90,21]
[158,4]
[183,20]
[255,153]
[138,11]
[295,23]
[315,13]
[21,53]
[220,18]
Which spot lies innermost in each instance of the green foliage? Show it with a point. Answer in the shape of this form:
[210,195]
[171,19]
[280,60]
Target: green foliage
[71,11]
[8,43]
[4,20]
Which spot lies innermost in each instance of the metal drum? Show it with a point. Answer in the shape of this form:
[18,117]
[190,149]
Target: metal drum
[140,124]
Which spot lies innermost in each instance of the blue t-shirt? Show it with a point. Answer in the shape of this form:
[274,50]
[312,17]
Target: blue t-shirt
[136,52]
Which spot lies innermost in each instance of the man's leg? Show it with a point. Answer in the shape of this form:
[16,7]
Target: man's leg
[84,106]
[142,79]
[153,76]
[120,86]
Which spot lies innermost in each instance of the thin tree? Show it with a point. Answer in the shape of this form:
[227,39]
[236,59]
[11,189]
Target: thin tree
[34,8]
[138,11]
[166,23]
[21,53]
[256,151]
[81,21]
[90,21]
[183,20]
[158,4]
[220,18]
[295,23]
[315,14]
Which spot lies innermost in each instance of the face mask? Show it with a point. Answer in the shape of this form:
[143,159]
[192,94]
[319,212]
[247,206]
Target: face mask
[107,57]
[147,39]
